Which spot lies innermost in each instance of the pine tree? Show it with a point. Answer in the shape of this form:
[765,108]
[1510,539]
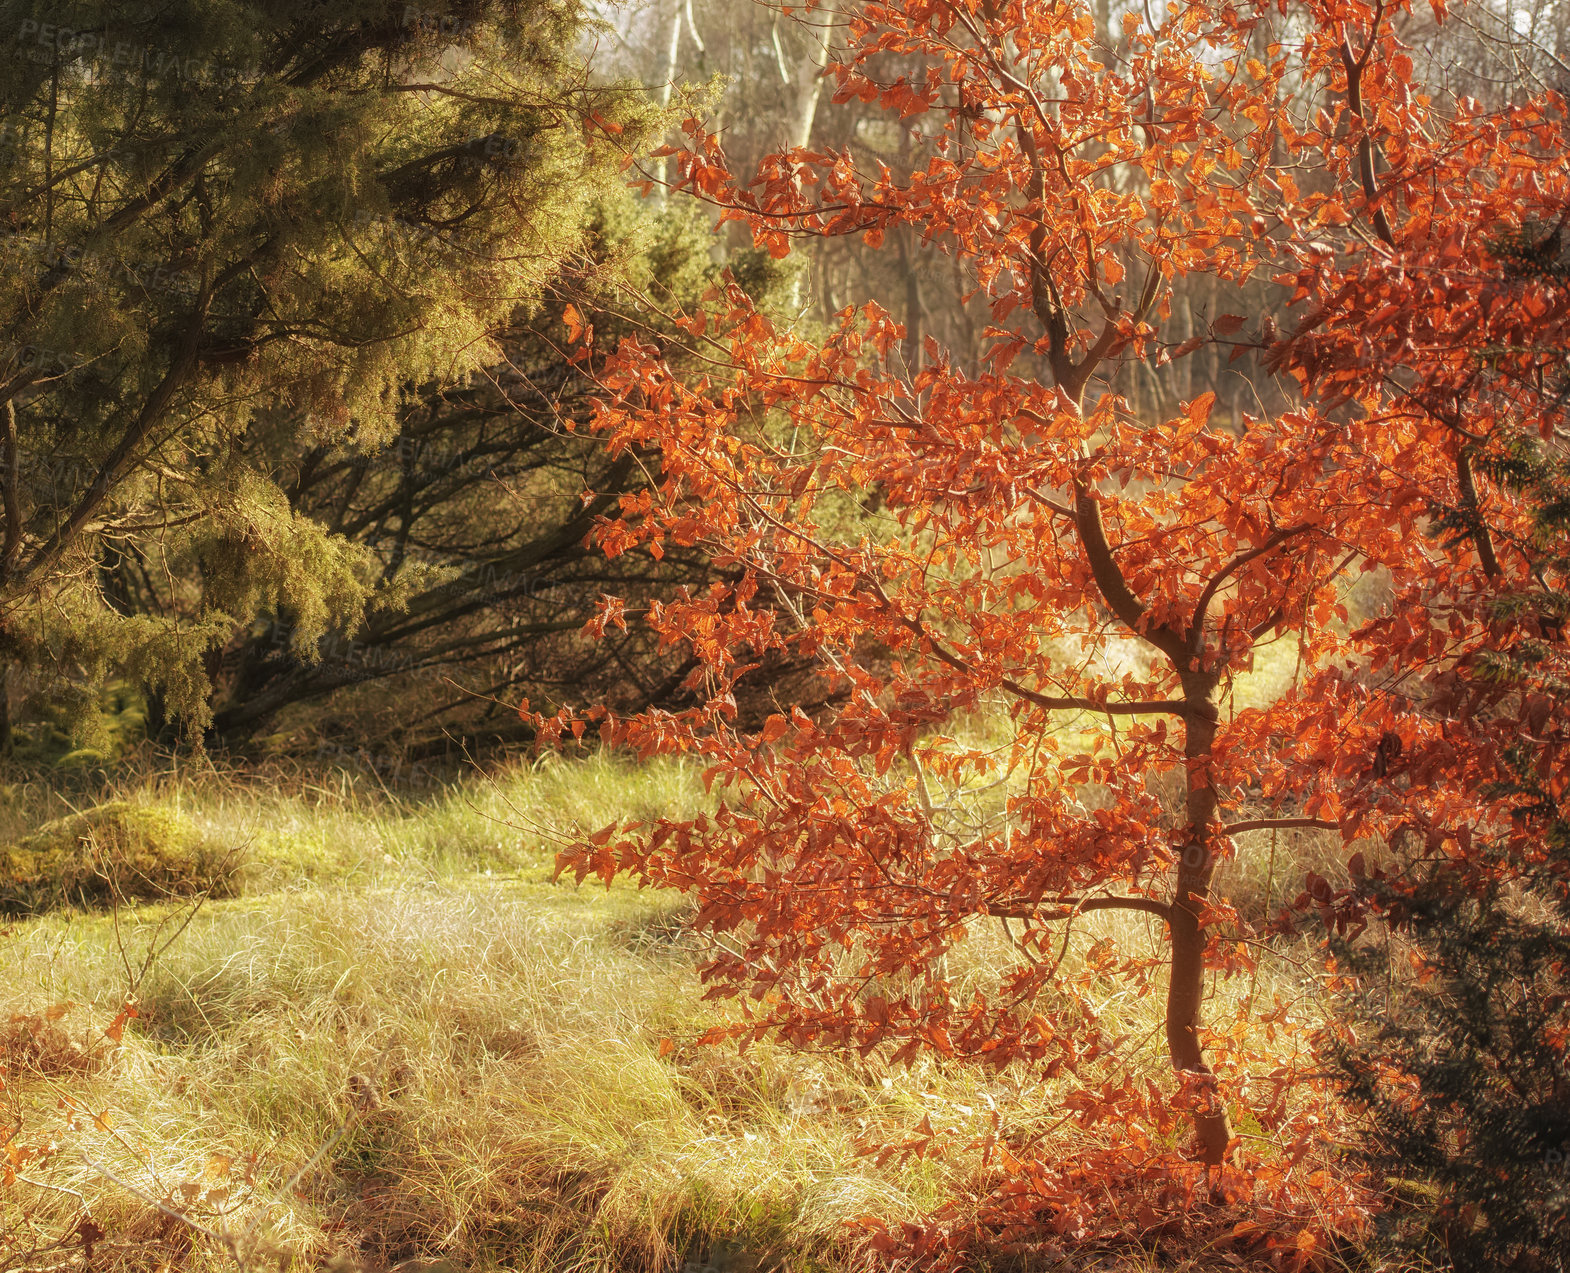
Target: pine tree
[1463,1070]
[215,214]
[478,510]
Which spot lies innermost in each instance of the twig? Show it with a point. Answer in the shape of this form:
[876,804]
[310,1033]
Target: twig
[224,1239]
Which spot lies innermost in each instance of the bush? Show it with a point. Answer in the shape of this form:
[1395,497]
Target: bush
[1462,1077]
[116,851]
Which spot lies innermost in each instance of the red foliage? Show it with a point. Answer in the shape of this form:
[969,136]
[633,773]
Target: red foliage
[1028,534]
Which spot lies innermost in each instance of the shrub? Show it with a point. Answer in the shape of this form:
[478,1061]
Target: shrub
[115,851]
[1462,1077]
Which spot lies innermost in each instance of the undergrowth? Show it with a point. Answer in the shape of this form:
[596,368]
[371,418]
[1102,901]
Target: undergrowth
[400,1041]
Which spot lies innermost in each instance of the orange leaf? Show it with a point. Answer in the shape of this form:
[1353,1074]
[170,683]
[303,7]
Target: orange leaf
[116,1028]
[775,728]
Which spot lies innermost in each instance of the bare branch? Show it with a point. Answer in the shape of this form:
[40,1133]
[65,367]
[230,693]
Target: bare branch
[1280,824]
[10,495]
[1081,906]
[1481,539]
[1365,146]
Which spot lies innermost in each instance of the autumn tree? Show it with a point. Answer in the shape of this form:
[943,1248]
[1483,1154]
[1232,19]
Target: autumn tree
[771,58]
[1036,548]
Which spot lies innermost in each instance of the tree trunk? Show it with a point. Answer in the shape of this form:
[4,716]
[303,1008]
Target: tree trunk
[668,77]
[1186,989]
[807,78]
[5,709]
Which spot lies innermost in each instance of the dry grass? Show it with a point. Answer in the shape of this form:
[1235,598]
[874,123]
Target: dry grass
[477,1065]
[525,1117]
[511,1027]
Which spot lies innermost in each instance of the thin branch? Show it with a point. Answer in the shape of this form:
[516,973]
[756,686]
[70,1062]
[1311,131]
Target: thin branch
[1280,824]
[10,495]
[1142,707]
[1082,906]
[1046,501]
[1365,146]
[222,1239]
[1197,627]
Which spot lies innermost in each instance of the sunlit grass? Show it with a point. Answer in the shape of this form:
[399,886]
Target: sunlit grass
[528,1111]
[483,1064]
[529,1107]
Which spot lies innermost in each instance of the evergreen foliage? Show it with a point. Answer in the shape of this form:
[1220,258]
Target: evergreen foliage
[1464,1068]
[481,510]
[226,221]
[1464,1078]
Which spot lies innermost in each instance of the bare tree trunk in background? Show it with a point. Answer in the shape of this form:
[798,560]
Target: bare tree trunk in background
[677,10]
[910,258]
[807,76]
[1109,42]
[5,709]
[1185,373]
[915,304]
[806,83]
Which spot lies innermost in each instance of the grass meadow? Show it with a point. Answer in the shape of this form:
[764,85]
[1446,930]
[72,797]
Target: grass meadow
[390,1038]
